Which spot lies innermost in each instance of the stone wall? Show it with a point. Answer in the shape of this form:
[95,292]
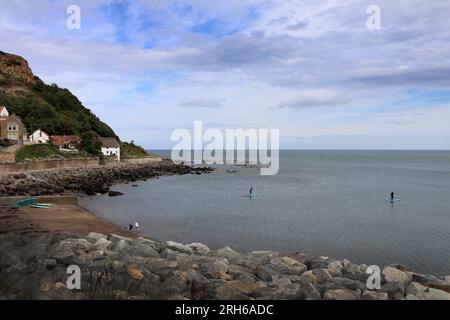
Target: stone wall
[141,160]
[47,165]
[7,158]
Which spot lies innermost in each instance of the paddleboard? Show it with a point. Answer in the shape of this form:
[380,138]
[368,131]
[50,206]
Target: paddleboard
[36,206]
[392,201]
[25,202]
[251,195]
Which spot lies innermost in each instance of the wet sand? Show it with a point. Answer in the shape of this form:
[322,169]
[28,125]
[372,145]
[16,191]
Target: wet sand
[58,218]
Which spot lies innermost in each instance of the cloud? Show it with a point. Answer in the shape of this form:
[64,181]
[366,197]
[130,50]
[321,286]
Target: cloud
[201,103]
[315,98]
[150,59]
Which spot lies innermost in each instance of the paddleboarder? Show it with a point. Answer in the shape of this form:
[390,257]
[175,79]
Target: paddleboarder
[251,190]
[392,196]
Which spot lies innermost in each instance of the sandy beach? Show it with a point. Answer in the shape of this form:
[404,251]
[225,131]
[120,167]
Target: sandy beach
[58,218]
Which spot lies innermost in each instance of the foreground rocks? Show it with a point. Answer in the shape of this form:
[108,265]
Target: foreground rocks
[88,180]
[117,267]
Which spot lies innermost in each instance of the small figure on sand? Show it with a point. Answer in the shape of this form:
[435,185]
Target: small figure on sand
[136,226]
[130,227]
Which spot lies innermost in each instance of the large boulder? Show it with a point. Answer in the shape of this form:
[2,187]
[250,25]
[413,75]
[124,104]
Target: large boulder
[227,252]
[178,247]
[198,248]
[392,274]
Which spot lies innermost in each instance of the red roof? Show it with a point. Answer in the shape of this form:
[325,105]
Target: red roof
[63,140]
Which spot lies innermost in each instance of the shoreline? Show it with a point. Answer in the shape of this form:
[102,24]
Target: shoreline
[39,244]
[68,234]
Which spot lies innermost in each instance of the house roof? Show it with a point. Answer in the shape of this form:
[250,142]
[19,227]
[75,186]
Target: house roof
[109,142]
[62,140]
[41,133]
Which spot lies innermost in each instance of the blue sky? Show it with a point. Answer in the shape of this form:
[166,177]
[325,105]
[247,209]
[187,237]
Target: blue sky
[310,68]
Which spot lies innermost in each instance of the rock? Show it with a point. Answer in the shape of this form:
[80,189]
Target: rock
[115,193]
[218,266]
[394,290]
[171,254]
[226,292]
[349,284]
[392,274]
[135,272]
[220,275]
[66,251]
[144,250]
[264,293]
[244,286]
[302,258]
[322,275]
[286,265]
[198,248]
[340,294]
[164,267]
[374,295]
[433,294]
[415,288]
[266,274]
[49,264]
[116,238]
[335,267]
[320,262]
[121,245]
[178,247]
[350,267]
[95,255]
[227,252]
[93,237]
[309,276]
[102,244]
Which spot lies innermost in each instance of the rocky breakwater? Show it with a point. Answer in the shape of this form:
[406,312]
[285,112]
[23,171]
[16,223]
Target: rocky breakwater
[90,180]
[116,267]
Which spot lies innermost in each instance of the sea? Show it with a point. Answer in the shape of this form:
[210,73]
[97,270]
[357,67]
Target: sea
[322,203]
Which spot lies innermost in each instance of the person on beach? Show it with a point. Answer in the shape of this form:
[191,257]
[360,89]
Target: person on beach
[136,226]
[130,227]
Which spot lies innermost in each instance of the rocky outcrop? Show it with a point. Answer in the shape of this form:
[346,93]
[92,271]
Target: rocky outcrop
[91,181]
[15,67]
[117,267]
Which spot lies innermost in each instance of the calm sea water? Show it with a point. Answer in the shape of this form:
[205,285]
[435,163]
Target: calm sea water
[321,203]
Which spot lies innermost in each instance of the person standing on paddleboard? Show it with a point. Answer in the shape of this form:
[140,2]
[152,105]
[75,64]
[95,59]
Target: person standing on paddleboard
[251,190]
[392,196]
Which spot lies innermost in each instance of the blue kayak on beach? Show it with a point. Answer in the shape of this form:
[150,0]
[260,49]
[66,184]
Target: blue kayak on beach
[25,202]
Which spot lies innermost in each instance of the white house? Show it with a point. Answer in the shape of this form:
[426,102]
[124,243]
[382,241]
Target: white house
[110,147]
[4,114]
[39,136]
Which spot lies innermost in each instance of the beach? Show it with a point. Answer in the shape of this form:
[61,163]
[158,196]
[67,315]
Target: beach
[58,218]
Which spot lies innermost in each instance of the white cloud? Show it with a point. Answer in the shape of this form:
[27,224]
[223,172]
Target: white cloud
[315,98]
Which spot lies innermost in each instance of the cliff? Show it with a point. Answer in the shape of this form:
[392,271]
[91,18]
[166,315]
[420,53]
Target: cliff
[48,107]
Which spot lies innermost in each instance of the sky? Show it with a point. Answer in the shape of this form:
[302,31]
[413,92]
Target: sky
[310,68]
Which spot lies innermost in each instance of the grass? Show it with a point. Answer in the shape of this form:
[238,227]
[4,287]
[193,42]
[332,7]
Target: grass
[39,151]
[132,150]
